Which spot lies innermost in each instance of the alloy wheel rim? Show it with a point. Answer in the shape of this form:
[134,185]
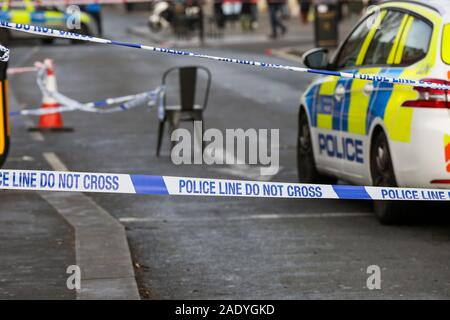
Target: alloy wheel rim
[304,140]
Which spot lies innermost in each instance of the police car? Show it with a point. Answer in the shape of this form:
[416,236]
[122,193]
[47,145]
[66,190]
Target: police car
[373,133]
[29,13]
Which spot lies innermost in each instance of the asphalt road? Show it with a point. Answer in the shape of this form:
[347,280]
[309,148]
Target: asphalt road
[192,248]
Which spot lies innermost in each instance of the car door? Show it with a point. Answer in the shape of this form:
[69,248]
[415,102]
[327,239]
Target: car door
[369,99]
[332,99]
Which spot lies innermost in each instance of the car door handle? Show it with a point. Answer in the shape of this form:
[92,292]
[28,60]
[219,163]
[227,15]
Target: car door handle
[368,89]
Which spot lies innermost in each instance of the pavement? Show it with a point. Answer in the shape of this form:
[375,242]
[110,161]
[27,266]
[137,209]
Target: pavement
[187,247]
[36,244]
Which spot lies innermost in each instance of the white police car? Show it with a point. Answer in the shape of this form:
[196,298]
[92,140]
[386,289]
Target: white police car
[373,133]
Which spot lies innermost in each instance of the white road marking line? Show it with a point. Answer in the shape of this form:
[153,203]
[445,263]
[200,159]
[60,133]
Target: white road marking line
[54,161]
[28,55]
[101,247]
[250,217]
[21,159]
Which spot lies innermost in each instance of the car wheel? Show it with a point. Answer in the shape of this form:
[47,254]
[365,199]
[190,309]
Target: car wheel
[306,165]
[382,171]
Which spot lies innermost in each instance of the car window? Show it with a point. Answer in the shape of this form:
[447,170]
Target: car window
[350,50]
[416,47]
[383,40]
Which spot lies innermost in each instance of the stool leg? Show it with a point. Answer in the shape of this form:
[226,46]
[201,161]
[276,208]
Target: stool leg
[160,136]
[198,139]
[174,123]
[203,131]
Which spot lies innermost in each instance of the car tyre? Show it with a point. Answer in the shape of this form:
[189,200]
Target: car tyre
[382,171]
[306,165]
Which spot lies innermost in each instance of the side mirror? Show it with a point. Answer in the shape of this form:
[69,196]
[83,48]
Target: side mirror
[316,58]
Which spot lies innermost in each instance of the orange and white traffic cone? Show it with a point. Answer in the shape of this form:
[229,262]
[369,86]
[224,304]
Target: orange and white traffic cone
[50,121]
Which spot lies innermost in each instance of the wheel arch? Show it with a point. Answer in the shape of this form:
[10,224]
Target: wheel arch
[304,109]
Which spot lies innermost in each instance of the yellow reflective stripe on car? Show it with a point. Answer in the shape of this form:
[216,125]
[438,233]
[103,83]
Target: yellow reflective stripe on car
[20,16]
[447,139]
[54,19]
[85,18]
[398,119]
[359,103]
[327,88]
[392,54]
[29,5]
[433,16]
[54,15]
[401,45]
[324,121]
[446,44]
[368,40]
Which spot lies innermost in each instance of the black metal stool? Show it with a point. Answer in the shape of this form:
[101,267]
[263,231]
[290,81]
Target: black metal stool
[187,110]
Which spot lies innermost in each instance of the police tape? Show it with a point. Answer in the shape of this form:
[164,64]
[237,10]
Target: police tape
[20,70]
[123,103]
[39,30]
[35,180]
[150,98]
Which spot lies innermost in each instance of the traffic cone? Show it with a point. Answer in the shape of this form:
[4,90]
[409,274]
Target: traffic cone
[51,121]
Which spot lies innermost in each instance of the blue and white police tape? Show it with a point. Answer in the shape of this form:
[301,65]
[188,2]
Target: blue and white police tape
[128,102]
[20,70]
[174,186]
[125,103]
[150,98]
[39,30]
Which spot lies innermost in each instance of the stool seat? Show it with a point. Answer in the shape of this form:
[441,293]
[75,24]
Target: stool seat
[178,108]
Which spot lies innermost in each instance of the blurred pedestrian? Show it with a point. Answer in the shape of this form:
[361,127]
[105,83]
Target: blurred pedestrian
[246,16]
[219,16]
[275,8]
[94,10]
[305,6]
[254,13]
